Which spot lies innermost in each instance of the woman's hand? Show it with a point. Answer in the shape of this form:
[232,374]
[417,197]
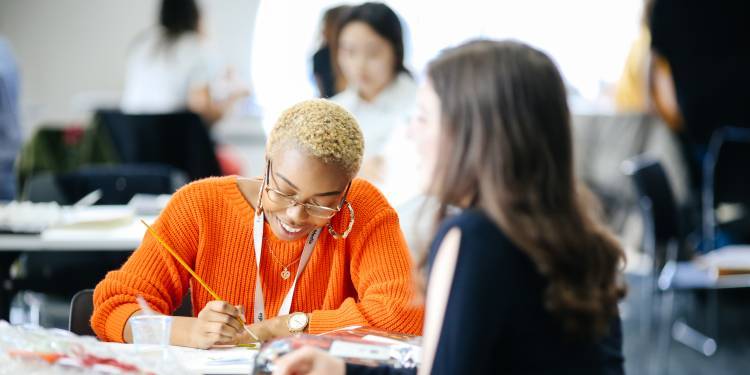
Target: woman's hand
[216,324]
[309,360]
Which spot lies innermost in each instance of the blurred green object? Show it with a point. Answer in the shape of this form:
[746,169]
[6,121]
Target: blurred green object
[54,148]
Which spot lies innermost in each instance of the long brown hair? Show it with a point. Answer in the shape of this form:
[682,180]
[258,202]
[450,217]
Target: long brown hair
[507,148]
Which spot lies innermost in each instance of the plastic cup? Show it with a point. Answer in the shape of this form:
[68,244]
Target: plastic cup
[151,332]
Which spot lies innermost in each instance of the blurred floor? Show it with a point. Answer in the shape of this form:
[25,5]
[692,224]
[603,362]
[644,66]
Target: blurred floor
[732,356]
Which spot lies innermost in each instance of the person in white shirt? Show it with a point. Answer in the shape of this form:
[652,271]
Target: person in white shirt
[170,69]
[382,96]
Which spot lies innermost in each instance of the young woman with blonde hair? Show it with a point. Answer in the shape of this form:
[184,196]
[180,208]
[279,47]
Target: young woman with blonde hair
[306,248]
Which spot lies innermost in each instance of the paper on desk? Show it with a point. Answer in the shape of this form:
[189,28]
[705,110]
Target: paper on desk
[226,360]
[132,231]
[149,204]
[30,217]
[231,360]
[98,216]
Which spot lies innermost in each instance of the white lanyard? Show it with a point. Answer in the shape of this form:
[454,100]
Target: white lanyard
[259,307]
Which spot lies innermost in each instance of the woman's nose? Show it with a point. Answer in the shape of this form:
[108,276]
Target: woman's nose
[297,213]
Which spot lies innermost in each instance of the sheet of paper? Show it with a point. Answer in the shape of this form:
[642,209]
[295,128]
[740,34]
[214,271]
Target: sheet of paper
[227,360]
[345,349]
[232,360]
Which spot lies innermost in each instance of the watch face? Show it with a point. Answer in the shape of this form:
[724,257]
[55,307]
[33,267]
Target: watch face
[298,321]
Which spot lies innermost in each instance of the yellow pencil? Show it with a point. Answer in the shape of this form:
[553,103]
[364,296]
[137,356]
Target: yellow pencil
[195,275]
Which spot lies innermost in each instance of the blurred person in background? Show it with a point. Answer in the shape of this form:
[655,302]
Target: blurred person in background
[10,128]
[702,48]
[706,47]
[381,91]
[631,90]
[645,84]
[381,95]
[170,69]
[327,73]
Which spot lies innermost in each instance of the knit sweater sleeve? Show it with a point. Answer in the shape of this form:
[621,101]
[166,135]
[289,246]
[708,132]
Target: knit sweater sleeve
[151,271]
[381,273]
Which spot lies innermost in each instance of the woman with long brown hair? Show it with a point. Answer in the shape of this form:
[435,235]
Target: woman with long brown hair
[523,279]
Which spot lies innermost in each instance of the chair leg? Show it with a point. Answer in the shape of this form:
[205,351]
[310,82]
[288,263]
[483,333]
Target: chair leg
[647,291]
[693,339]
[712,326]
[664,341]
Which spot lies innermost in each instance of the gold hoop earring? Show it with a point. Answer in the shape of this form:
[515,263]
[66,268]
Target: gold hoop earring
[348,229]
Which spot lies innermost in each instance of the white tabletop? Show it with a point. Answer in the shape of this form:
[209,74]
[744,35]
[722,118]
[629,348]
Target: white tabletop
[125,237]
[229,360]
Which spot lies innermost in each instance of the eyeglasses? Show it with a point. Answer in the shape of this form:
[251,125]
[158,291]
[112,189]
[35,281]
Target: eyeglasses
[288,200]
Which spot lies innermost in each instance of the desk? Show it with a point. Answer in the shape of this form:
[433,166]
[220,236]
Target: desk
[80,238]
[115,238]
[175,360]
[231,360]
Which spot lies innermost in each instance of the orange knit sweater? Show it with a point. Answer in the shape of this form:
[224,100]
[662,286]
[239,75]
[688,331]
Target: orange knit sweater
[364,279]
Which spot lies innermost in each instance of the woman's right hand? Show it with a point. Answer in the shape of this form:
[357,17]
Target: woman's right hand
[216,324]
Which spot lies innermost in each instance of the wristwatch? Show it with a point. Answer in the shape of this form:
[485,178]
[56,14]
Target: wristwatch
[297,322]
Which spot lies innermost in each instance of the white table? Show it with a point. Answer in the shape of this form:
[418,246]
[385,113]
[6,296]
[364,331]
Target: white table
[230,360]
[80,238]
[118,237]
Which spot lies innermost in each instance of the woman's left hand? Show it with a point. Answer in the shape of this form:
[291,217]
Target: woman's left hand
[309,360]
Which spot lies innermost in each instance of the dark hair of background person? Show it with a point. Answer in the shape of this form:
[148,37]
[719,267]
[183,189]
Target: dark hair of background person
[384,21]
[507,149]
[331,19]
[328,75]
[178,17]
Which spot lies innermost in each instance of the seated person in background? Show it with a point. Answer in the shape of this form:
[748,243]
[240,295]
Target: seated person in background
[523,280]
[250,239]
[169,68]
[328,77]
[381,91]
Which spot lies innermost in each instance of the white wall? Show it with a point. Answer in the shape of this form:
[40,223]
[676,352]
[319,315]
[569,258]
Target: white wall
[72,52]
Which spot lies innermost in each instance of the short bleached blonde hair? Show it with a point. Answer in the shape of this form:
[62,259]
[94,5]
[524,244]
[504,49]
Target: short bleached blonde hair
[322,128]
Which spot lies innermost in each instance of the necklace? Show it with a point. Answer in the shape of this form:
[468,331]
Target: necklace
[285,274]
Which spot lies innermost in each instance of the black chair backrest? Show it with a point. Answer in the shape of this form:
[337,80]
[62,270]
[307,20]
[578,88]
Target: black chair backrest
[651,182]
[657,204]
[725,177]
[117,183]
[178,139]
[82,306]
[726,165]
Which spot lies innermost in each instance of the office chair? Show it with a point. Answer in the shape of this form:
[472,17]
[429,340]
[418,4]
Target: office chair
[82,306]
[725,178]
[664,242]
[117,183]
[178,139]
